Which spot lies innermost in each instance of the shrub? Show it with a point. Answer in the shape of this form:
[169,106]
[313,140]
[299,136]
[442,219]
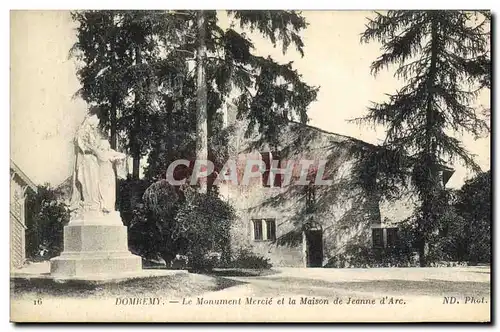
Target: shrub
[202,223]
[246,259]
[175,221]
[129,198]
[361,256]
[463,231]
[46,215]
[473,204]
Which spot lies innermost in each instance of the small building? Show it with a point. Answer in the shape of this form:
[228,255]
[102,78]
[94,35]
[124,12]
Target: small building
[307,226]
[19,184]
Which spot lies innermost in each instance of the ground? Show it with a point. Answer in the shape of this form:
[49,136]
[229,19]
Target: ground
[412,282]
[417,288]
[434,282]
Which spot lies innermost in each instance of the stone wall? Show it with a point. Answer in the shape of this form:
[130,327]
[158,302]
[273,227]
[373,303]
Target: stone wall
[17,223]
[342,210]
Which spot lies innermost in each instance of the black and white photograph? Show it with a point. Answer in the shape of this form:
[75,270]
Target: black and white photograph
[250,166]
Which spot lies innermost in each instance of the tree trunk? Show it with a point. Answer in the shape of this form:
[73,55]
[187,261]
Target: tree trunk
[136,152]
[421,251]
[428,194]
[201,100]
[113,144]
[136,149]
[113,118]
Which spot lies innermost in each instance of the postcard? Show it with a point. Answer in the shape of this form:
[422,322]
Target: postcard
[250,166]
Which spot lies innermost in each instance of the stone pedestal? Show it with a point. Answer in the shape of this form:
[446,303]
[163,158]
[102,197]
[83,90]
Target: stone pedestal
[95,244]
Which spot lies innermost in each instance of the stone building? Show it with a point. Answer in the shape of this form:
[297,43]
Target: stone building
[19,184]
[307,225]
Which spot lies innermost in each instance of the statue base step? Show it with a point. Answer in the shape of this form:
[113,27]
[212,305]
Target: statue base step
[85,264]
[93,247]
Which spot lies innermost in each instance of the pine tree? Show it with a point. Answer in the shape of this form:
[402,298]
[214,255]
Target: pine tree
[136,68]
[101,57]
[263,87]
[119,52]
[443,58]
[225,62]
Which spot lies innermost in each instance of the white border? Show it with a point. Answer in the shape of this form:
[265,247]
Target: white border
[177,4]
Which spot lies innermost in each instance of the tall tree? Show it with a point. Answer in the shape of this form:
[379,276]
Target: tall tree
[443,58]
[101,57]
[227,66]
[201,98]
[149,51]
[118,52]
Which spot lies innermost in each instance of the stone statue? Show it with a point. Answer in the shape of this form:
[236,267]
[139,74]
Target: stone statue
[93,175]
[95,239]
[107,187]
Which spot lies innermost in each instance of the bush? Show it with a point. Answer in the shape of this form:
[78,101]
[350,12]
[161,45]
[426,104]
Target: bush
[246,259]
[361,256]
[203,224]
[129,199]
[464,228]
[181,221]
[473,204]
[45,217]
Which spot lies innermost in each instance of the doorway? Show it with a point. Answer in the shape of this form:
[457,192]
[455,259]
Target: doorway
[314,248]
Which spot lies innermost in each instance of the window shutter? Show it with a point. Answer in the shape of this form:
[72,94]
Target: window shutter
[378,237]
[392,236]
[271,229]
[266,158]
[278,178]
[257,229]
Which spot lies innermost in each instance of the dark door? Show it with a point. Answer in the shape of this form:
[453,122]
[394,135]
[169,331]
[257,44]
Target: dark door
[314,242]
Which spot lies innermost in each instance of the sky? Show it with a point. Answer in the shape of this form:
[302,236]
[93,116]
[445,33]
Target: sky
[44,114]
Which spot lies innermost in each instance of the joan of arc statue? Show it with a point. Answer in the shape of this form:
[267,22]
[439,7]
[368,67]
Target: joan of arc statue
[93,175]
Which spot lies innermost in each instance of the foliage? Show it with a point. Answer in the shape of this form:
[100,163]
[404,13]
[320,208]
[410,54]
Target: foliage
[263,87]
[361,256]
[148,216]
[46,215]
[203,224]
[136,68]
[474,206]
[443,57]
[118,53]
[246,259]
[178,220]
[130,194]
[462,234]
[381,171]
[465,229]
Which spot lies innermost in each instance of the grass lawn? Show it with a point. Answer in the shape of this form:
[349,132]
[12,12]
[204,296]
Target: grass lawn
[176,285]
[427,287]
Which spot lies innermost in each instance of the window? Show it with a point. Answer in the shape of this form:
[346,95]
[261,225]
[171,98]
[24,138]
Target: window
[392,236]
[264,229]
[378,237]
[257,229]
[278,178]
[271,229]
[266,158]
